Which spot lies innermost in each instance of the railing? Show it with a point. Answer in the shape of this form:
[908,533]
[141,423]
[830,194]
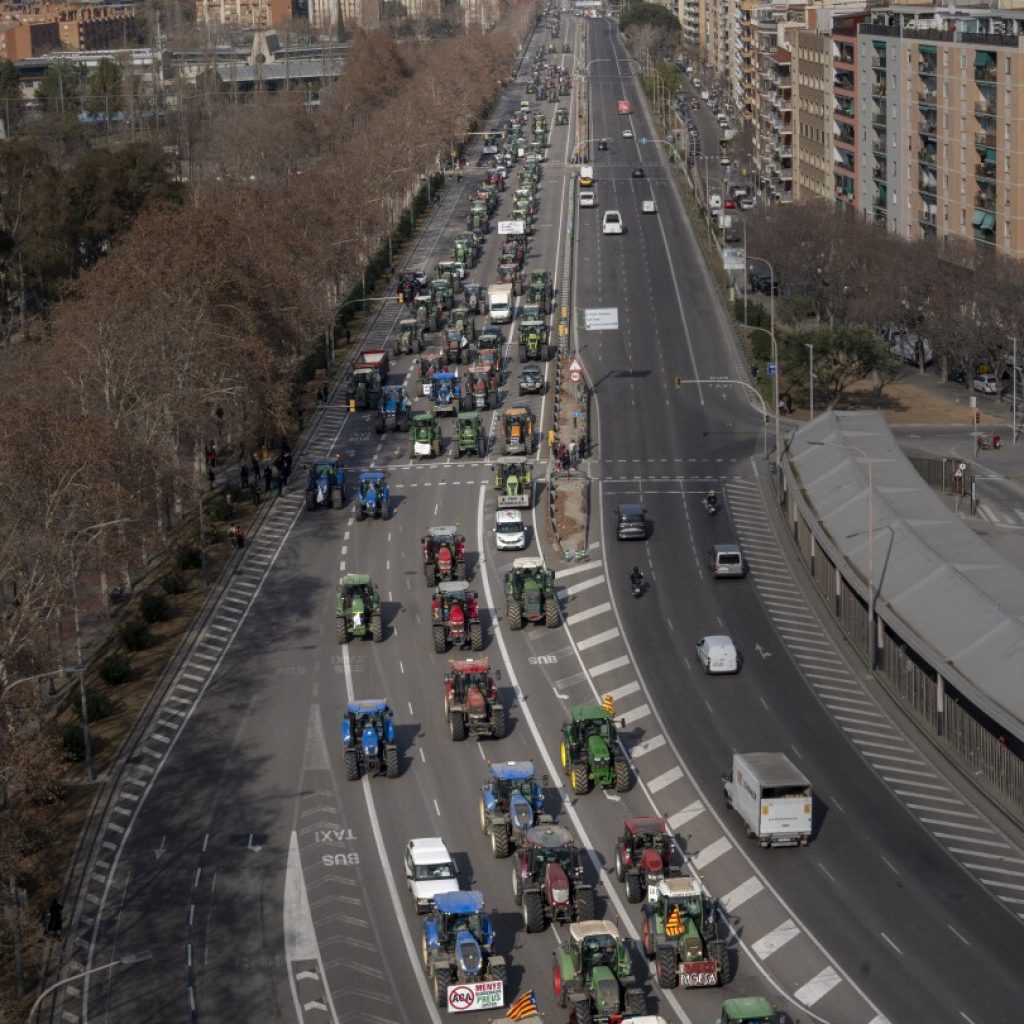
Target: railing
[985,200]
[985,170]
[983,109]
[926,157]
[926,217]
[985,73]
[926,98]
[927,68]
[928,126]
[986,139]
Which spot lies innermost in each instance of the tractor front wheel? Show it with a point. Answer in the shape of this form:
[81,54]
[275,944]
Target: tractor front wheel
[500,845]
[498,725]
[517,884]
[457,725]
[533,911]
[668,976]
[719,952]
[584,904]
[360,514]
[377,627]
[551,615]
[620,866]
[499,972]
[581,777]
[439,640]
[342,630]
[558,985]
[583,1011]
[458,450]
[442,979]
[515,615]
[636,1002]
[634,888]
[621,776]
[391,762]
[351,765]
[476,636]
[435,447]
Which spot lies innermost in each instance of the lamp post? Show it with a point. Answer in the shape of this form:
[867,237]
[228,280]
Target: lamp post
[872,647]
[775,356]
[810,349]
[80,667]
[125,961]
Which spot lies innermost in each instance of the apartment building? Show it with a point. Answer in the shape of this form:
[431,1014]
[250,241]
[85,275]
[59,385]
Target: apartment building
[20,40]
[815,110]
[30,30]
[689,18]
[255,14]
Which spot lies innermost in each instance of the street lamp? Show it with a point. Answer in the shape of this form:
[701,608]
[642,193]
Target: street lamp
[775,356]
[871,538]
[810,349]
[125,961]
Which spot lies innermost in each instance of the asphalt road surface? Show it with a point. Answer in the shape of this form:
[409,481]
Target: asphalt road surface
[267,888]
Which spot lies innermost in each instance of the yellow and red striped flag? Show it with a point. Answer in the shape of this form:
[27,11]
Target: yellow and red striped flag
[524,1006]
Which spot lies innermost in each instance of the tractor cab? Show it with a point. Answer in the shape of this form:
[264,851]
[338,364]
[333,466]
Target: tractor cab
[647,834]
[458,917]
[445,549]
[747,1010]
[372,495]
[474,298]
[426,311]
[369,723]
[444,392]
[552,844]
[464,676]
[589,722]
[513,482]
[681,899]
[530,582]
[595,944]
[430,363]
[454,602]
[513,791]
[443,293]
[518,430]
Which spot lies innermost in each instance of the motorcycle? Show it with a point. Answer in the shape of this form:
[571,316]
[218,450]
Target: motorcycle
[711,507]
[637,585]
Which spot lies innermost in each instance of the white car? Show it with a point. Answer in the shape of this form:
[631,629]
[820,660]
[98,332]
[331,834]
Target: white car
[429,870]
[611,224]
[648,206]
[717,654]
[627,133]
[715,201]
[746,202]
[587,197]
[986,383]
[510,530]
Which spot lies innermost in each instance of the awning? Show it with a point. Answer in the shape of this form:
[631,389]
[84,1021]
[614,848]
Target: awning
[990,156]
[928,49]
[984,59]
[979,216]
[988,222]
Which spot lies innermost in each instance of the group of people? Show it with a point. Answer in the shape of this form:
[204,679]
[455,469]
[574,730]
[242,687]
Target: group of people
[568,455]
[274,473]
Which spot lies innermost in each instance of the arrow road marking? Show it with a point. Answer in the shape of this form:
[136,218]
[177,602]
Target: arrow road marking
[760,650]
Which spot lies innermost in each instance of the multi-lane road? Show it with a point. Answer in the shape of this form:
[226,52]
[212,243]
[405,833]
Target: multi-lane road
[266,888]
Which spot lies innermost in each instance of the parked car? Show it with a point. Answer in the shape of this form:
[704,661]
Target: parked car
[986,383]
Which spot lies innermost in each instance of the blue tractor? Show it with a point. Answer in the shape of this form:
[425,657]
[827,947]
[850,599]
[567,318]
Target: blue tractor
[323,478]
[457,945]
[445,393]
[511,804]
[368,732]
[373,498]
[395,409]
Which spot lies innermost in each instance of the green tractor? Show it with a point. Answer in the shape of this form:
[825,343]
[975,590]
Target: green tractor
[747,1010]
[427,315]
[541,290]
[530,594]
[533,340]
[357,609]
[425,436]
[590,750]
[410,336]
[477,218]
[592,975]
[470,437]
[464,250]
[513,481]
[562,115]
[680,932]
[462,320]
[443,293]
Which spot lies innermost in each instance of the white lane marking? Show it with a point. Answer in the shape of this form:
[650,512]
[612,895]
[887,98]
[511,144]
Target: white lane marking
[589,613]
[971,839]
[609,666]
[687,814]
[599,638]
[943,810]
[578,588]
[702,858]
[818,987]
[623,691]
[891,943]
[999,871]
[1002,858]
[674,774]
[775,939]
[957,825]
[745,891]
[635,714]
[575,569]
[646,747]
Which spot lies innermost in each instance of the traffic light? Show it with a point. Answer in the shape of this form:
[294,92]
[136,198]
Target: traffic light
[977,418]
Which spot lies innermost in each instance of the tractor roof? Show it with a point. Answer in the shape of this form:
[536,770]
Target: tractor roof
[372,477]
[407,321]
[469,417]
[580,930]
[393,389]
[367,707]
[589,713]
[512,771]
[320,464]
[355,579]
[445,375]
[549,837]
[748,1008]
[530,563]
[646,826]
[471,665]
[456,587]
[532,323]
[678,887]
[478,368]
[510,460]
[422,416]
[518,410]
[440,531]
[467,902]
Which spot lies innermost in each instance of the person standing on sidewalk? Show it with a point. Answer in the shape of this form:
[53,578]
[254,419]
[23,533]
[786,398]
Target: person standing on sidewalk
[243,476]
[254,468]
[267,477]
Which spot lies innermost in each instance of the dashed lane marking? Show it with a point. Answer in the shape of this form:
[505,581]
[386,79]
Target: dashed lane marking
[775,939]
[589,613]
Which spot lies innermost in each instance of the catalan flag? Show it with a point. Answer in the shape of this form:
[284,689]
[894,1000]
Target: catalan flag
[674,924]
[525,1006]
[608,703]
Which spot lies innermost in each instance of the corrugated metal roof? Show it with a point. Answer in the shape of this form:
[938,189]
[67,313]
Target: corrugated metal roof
[935,578]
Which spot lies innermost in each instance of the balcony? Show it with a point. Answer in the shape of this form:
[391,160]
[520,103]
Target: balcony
[928,126]
[985,171]
[926,156]
[880,170]
[926,185]
[878,143]
[926,98]
[845,134]
[786,172]
[878,90]
[985,108]
[878,114]
[986,139]
[843,80]
[985,73]
[844,107]
[927,217]
[927,68]
[985,199]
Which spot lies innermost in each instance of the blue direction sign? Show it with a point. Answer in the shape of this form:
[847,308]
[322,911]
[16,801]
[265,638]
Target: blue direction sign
[771,369]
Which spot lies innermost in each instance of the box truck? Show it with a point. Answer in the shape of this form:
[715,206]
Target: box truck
[499,300]
[772,797]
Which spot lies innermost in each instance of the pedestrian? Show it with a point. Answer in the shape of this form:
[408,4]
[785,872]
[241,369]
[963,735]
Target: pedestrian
[213,453]
[254,491]
[565,461]
[55,917]
[239,538]
[275,478]
[572,452]
[243,475]
[211,475]
[254,468]
[268,477]
[229,503]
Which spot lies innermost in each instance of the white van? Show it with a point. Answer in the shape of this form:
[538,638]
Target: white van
[586,176]
[611,223]
[499,303]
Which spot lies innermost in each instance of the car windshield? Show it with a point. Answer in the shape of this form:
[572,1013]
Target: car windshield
[510,527]
[428,872]
[633,518]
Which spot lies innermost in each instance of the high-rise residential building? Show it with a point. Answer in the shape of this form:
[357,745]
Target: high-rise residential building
[814,154]
[689,18]
[256,14]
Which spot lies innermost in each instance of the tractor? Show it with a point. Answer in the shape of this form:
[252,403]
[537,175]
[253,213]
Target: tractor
[509,273]
[517,432]
[455,342]
[592,975]
[458,941]
[323,478]
[514,248]
[470,436]
[455,617]
[533,340]
[514,482]
[481,390]
[748,1010]
[431,363]
[407,286]
[474,297]
[443,293]
[368,732]
[488,353]
[445,393]
[547,882]
[424,436]
[357,609]
[369,375]
[561,114]
[477,219]
[530,594]
[444,555]
[541,291]
[462,321]
[511,803]
[530,311]
[410,336]
[643,857]
[680,932]
[373,497]
[465,250]
[590,751]
[453,272]
[471,702]
[395,409]
[427,315]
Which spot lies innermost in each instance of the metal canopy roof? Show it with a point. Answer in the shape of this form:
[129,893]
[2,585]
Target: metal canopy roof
[958,602]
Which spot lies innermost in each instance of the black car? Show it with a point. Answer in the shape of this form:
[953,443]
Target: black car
[603,144]
[638,172]
[531,380]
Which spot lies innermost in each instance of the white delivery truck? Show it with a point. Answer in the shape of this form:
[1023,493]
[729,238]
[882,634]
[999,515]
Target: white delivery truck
[499,303]
[772,797]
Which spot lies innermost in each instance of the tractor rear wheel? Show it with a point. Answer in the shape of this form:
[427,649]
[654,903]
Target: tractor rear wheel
[551,615]
[460,569]
[517,884]
[620,865]
[442,979]
[634,888]
[391,762]
[499,840]
[458,450]
[457,725]
[385,512]
[719,952]
[668,976]
[360,514]
[476,636]
[498,722]
[377,627]
[504,445]
[533,911]
[558,985]
[351,765]
[435,447]
[584,905]
[581,777]
[544,353]
[636,1002]
[621,775]
[342,630]
[515,615]
[430,572]
[412,448]
[439,640]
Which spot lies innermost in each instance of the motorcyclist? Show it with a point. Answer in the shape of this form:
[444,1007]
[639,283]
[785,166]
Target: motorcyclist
[711,501]
[636,577]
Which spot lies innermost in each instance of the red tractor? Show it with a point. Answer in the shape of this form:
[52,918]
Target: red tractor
[455,617]
[643,857]
[444,555]
[471,701]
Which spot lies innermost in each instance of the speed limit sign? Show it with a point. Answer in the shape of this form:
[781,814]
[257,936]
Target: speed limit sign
[575,376]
